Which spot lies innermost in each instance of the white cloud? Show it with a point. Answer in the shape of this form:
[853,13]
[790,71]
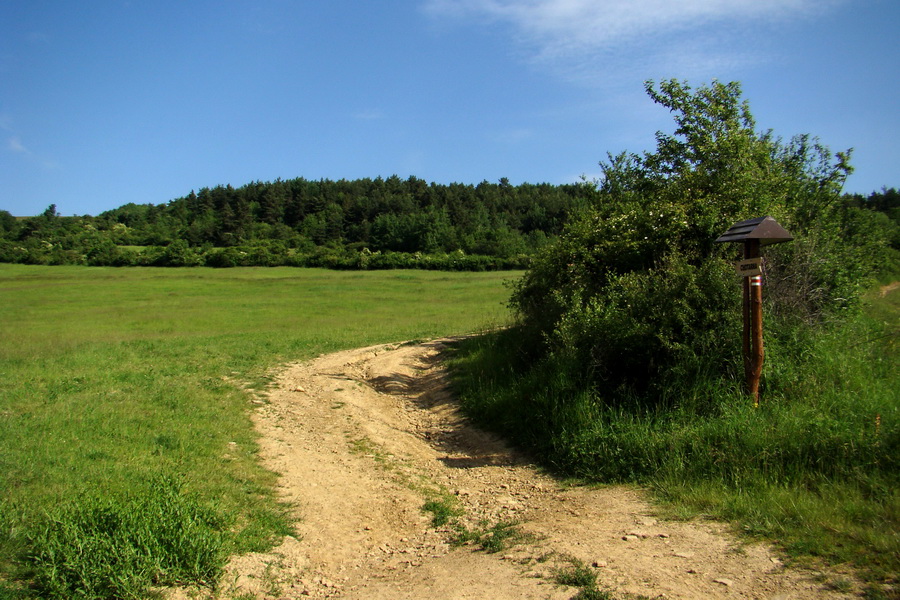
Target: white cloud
[599,23]
[581,38]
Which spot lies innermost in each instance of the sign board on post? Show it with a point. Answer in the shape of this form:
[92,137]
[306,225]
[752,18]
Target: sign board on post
[749,267]
[753,233]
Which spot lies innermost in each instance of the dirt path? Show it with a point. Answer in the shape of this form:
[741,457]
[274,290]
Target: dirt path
[363,438]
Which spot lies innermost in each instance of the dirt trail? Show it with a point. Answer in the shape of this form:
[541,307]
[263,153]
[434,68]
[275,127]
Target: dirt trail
[363,438]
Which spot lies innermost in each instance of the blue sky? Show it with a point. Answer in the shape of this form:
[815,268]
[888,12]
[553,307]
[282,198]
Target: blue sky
[107,102]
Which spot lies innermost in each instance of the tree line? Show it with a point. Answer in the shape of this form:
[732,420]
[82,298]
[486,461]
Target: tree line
[359,224]
[363,223]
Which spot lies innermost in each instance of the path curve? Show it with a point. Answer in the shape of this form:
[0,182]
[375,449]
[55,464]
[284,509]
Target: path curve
[363,438]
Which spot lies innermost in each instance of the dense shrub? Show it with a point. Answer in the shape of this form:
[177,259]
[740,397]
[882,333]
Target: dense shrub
[262,253]
[625,363]
[637,298]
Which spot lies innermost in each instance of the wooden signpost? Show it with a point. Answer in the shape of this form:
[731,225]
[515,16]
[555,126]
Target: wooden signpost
[754,233]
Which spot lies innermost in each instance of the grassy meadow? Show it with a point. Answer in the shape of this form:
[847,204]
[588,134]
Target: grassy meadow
[121,392]
[128,458]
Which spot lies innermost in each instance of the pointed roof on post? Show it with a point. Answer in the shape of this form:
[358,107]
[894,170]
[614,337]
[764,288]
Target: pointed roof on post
[765,229]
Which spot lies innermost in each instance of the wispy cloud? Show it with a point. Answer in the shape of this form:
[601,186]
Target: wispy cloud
[370,114]
[16,145]
[37,37]
[579,24]
[579,36]
[13,141]
[512,136]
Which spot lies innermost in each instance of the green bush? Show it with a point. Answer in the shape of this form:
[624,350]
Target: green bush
[651,329]
[637,297]
[224,257]
[179,254]
[625,364]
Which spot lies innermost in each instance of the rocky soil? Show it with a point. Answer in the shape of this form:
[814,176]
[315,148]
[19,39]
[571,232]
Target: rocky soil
[363,439]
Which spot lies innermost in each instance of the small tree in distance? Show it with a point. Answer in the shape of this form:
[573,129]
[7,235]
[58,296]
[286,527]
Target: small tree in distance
[50,213]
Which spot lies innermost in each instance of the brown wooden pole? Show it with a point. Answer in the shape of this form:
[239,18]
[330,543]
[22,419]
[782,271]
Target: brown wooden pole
[754,294]
[746,347]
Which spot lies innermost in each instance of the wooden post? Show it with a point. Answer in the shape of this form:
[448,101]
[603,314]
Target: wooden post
[753,233]
[753,335]
[747,346]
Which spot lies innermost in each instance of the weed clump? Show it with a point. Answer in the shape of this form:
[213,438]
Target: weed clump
[577,574]
[442,511]
[491,538]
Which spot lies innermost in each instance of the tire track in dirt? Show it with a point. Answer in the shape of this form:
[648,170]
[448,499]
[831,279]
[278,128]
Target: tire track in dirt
[362,438]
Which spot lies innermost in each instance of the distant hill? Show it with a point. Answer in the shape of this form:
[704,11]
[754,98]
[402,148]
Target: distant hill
[364,223]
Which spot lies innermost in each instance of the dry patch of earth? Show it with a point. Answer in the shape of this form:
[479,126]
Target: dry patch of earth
[363,439]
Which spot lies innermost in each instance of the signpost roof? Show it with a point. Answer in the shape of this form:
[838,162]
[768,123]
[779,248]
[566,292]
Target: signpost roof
[765,229]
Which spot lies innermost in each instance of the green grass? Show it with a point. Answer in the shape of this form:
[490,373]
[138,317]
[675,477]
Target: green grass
[576,574]
[816,468]
[112,378]
[442,509]
[490,537]
[112,546]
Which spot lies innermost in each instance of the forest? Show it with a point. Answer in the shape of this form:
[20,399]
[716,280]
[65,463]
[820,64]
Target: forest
[364,223]
[360,224]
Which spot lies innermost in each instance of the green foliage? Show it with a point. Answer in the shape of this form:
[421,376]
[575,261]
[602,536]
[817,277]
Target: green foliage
[442,510]
[326,223]
[814,467]
[886,208]
[113,378]
[578,574]
[8,225]
[880,212]
[117,547]
[491,538]
[636,289]
[649,329]
[625,365]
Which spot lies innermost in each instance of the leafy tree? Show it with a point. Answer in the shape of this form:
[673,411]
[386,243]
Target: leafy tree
[315,228]
[334,222]
[178,254]
[8,225]
[636,293]
[50,213]
[272,203]
[887,202]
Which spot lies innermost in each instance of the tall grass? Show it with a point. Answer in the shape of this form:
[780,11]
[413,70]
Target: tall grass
[112,380]
[816,467]
[113,546]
